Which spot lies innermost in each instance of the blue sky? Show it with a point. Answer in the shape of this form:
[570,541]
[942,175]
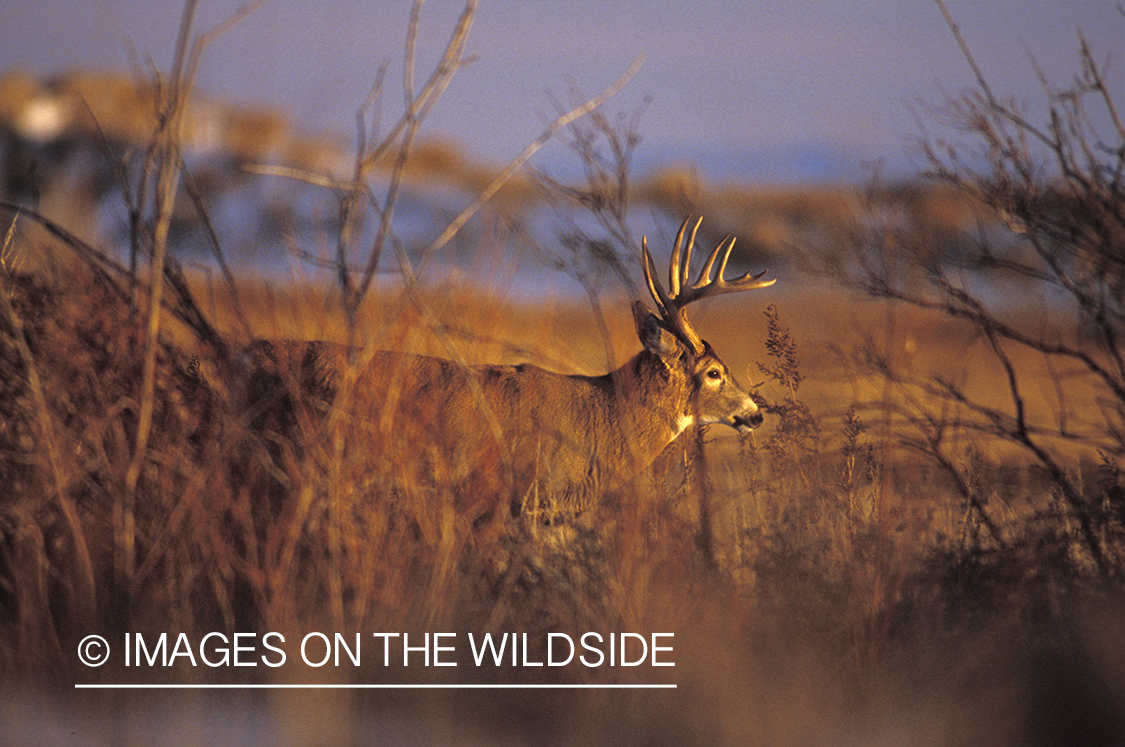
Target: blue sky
[773,91]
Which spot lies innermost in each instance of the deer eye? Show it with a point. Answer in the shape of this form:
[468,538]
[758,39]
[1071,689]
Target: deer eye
[714,374]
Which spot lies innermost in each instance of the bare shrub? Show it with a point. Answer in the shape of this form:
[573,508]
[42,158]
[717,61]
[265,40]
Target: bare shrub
[1041,284]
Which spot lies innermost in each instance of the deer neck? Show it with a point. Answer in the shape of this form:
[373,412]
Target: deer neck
[652,404]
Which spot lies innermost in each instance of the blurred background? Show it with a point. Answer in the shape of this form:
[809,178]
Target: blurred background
[764,116]
[796,91]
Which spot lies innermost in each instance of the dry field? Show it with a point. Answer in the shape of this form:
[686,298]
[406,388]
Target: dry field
[823,583]
[924,544]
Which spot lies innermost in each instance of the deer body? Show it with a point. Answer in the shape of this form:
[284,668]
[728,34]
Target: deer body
[518,433]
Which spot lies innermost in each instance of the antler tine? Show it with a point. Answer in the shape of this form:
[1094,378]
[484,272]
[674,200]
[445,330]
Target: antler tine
[705,275]
[709,283]
[653,280]
[678,267]
[712,285]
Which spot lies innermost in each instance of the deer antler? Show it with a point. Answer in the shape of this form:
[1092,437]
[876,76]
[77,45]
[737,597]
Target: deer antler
[672,308]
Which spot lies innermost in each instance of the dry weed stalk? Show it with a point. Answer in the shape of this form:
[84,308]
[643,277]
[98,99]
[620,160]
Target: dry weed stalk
[1057,189]
[82,587]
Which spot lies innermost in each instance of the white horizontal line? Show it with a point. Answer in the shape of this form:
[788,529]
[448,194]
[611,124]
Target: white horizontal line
[282,686]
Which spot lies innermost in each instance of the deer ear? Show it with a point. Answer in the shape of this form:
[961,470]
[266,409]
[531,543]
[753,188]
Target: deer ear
[652,332]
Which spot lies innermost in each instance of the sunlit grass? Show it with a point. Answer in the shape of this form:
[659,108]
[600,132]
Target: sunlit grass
[884,561]
[819,571]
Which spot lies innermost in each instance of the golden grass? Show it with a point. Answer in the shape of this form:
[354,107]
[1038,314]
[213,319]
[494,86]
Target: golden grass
[809,600]
[875,565]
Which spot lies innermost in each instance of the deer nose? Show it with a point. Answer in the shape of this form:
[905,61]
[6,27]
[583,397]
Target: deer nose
[748,422]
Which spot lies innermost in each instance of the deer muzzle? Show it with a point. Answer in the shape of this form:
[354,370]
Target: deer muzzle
[746,422]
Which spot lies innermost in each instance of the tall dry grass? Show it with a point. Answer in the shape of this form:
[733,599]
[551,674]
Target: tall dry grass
[813,586]
[824,582]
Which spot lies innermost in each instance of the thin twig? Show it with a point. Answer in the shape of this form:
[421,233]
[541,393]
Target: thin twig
[993,103]
[517,163]
[411,121]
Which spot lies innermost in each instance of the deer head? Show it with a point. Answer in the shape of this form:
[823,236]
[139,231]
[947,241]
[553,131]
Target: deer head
[713,394]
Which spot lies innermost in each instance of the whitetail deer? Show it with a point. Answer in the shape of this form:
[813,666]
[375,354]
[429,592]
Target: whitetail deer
[523,434]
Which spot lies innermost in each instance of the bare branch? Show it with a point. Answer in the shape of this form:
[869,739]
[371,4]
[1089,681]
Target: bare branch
[517,163]
[408,127]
